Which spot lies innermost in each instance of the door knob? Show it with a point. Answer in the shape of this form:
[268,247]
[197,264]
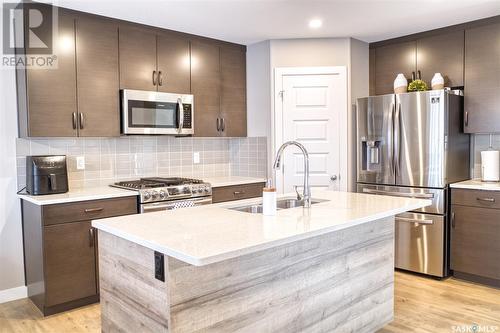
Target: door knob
[333,178]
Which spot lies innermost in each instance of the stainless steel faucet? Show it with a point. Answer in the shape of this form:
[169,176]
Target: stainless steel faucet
[306,196]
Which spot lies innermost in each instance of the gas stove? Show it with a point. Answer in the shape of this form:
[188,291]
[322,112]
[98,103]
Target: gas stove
[158,189]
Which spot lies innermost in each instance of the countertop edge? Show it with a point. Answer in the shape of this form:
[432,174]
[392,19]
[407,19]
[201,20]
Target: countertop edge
[236,182]
[35,201]
[202,261]
[476,184]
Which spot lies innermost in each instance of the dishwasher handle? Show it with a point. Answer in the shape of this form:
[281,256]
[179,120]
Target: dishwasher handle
[416,221]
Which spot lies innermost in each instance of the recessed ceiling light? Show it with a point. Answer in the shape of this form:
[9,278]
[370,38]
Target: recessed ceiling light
[315,23]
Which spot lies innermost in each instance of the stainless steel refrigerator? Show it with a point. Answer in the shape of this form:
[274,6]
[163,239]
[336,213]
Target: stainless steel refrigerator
[412,145]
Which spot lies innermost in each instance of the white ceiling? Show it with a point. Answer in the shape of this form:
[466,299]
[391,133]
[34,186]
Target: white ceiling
[250,21]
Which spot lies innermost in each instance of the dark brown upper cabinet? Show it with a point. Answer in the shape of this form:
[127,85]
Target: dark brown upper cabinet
[137,59]
[418,59]
[218,83]
[390,60]
[482,79]
[97,77]
[98,56]
[154,61]
[233,92]
[80,97]
[47,96]
[174,64]
[206,88]
[443,54]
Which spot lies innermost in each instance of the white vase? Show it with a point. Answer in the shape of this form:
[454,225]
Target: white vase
[437,81]
[400,84]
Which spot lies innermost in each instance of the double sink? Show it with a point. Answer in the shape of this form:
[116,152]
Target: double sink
[282,203]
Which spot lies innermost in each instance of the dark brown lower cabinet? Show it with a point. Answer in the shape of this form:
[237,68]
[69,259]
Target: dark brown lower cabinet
[475,242]
[237,192]
[61,252]
[70,260]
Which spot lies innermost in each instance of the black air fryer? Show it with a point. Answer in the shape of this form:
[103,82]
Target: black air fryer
[46,175]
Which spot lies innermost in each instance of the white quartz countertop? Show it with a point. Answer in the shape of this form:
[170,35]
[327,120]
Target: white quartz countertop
[107,192]
[206,234]
[477,184]
[82,194]
[232,180]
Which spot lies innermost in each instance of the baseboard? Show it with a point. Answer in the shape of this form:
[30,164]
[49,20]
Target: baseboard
[12,294]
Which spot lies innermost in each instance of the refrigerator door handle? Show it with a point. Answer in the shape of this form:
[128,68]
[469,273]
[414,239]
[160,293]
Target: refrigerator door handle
[390,135]
[397,138]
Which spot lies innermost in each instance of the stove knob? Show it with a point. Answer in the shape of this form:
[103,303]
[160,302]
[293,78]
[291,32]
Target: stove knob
[154,195]
[207,189]
[146,195]
[163,195]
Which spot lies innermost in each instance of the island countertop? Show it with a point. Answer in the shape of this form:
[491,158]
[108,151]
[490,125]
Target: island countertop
[207,234]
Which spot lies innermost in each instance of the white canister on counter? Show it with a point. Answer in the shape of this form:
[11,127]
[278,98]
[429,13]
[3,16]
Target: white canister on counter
[269,200]
[437,81]
[490,166]
[400,84]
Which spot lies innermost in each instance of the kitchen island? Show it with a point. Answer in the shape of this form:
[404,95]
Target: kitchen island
[326,268]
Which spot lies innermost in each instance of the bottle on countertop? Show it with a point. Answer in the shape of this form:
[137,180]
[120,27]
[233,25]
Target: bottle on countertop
[269,199]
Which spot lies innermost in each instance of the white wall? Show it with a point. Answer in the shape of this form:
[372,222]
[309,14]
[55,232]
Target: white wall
[11,243]
[304,53]
[359,73]
[258,89]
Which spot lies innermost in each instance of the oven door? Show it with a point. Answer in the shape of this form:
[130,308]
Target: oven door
[171,205]
[145,112]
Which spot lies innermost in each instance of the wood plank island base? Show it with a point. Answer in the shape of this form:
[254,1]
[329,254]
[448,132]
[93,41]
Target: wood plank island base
[322,277]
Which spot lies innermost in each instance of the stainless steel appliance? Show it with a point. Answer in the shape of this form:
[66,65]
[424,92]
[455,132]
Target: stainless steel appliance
[412,145]
[46,174]
[151,112]
[156,194]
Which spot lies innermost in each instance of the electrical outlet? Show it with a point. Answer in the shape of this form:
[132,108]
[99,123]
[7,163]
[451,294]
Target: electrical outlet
[80,162]
[196,157]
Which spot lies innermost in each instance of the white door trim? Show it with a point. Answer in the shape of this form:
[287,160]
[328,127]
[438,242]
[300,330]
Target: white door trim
[277,117]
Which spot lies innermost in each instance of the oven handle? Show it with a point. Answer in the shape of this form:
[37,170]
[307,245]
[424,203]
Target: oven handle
[400,194]
[181,115]
[157,206]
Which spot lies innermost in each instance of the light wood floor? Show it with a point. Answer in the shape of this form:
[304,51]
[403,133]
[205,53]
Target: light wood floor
[422,305]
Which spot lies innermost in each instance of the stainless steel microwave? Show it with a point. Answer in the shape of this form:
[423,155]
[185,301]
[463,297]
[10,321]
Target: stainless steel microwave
[151,112]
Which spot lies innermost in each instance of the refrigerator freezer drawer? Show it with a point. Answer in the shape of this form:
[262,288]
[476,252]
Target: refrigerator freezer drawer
[437,196]
[420,243]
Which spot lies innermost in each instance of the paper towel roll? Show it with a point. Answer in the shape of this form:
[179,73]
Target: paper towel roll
[490,166]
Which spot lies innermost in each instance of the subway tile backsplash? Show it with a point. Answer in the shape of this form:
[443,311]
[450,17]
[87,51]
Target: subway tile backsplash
[108,160]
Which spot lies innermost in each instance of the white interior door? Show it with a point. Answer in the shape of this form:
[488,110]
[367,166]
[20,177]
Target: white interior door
[312,105]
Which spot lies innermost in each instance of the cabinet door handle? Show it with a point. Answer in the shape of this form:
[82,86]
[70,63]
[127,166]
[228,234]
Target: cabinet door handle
[419,75]
[466,118]
[160,78]
[91,237]
[413,76]
[154,78]
[93,210]
[223,124]
[486,199]
[453,220]
[218,124]
[74,120]
[81,121]
[238,192]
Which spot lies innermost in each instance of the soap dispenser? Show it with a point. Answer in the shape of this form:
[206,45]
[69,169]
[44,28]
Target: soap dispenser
[269,199]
